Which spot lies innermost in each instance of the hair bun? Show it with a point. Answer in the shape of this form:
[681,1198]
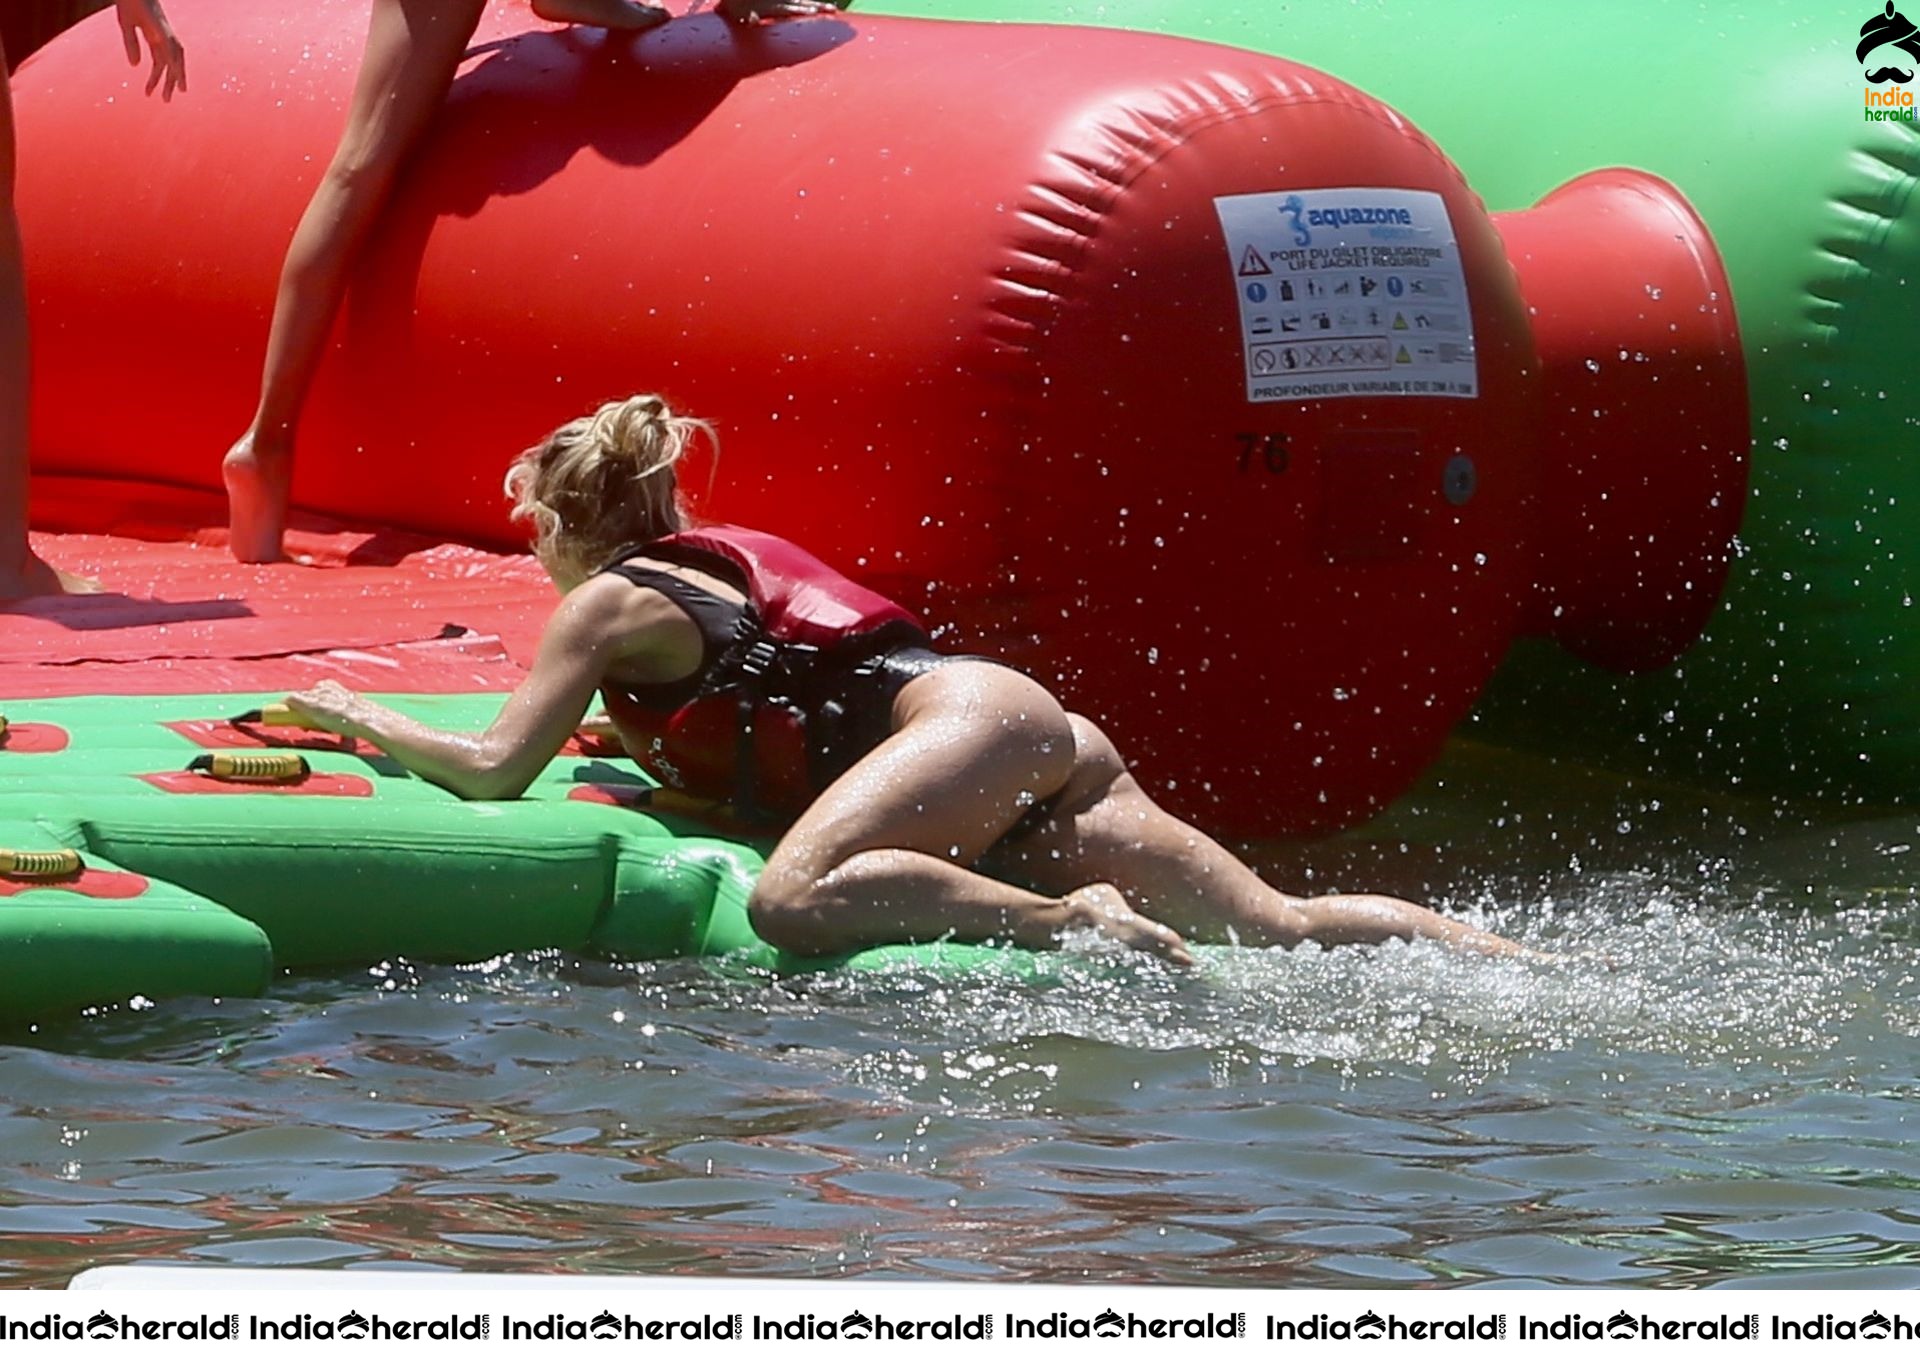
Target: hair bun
[606,482]
[632,429]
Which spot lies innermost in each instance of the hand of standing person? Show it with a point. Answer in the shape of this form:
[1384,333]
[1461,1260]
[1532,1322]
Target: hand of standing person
[145,19]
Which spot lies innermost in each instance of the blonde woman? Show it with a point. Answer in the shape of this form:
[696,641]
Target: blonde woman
[737,667]
[414,48]
[21,572]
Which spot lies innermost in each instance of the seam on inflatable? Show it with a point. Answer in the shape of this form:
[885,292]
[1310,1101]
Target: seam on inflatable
[1845,258]
[1852,248]
[609,844]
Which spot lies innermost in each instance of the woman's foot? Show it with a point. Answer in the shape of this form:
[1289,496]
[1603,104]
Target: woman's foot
[258,480]
[33,576]
[1099,907]
[617,14]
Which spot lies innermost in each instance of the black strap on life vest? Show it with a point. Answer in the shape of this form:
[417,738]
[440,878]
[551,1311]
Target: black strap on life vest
[766,673]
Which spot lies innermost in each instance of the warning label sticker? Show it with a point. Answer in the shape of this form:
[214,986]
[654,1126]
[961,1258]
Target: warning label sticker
[1349,293]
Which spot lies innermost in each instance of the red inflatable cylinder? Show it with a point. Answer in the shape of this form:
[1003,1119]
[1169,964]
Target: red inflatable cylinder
[1645,409]
[1193,380]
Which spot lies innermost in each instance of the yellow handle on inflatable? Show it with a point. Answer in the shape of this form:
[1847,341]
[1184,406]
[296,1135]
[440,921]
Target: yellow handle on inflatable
[274,767]
[272,715]
[40,864]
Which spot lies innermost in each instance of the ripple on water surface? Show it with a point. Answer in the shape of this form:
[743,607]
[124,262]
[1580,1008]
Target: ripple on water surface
[1714,1092]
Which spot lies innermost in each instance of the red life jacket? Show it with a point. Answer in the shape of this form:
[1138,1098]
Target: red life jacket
[742,738]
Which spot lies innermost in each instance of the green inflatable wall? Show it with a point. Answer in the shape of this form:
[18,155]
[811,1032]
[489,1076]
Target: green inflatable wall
[1758,114]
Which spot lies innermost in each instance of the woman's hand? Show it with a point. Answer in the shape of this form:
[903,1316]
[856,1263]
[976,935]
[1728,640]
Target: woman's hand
[332,707]
[536,718]
[752,11]
[145,19]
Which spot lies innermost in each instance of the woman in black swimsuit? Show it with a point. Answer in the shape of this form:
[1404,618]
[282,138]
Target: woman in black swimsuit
[955,762]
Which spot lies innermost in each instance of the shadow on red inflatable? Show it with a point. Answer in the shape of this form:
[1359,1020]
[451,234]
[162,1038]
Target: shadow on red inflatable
[1196,381]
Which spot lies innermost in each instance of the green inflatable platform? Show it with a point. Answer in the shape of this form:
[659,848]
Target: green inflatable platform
[191,884]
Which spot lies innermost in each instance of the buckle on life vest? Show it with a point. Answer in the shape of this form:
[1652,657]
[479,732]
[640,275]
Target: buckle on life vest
[769,679]
[759,657]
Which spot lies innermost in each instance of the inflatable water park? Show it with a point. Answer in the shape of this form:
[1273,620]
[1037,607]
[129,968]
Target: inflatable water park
[1229,370]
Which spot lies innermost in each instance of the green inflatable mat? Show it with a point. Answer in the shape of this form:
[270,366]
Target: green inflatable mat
[194,885]
[1757,113]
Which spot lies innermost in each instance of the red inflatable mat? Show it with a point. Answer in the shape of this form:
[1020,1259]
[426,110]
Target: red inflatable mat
[376,610]
[221,735]
[32,739]
[107,884]
[315,785]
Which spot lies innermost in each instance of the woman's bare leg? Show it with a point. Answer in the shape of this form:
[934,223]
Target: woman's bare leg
[413,50]
[885,854]
[21,573]
[1106,828]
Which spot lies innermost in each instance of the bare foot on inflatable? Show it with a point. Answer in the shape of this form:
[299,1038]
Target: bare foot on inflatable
[37,577]
[753,11]
[258,480]
[617,14]
[1100,907]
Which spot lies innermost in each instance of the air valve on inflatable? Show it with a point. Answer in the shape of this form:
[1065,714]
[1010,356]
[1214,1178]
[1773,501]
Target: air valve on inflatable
[1196,381]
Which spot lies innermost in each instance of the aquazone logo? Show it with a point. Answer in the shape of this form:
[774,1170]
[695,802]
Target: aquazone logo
[1302,219]
[1359,217]
[1889,54]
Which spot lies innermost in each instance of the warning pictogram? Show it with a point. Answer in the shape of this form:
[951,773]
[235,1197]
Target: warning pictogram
[1367,352]
[1251,263]
[1399,321]
[1403,357]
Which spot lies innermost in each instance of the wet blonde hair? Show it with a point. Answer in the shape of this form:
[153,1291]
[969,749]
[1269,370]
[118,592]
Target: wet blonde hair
[605,483]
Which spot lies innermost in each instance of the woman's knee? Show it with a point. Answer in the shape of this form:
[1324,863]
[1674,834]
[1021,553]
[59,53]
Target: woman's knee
[787,909]
[360,175]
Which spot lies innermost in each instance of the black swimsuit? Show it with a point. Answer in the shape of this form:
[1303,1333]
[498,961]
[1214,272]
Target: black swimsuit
[848,704]
[718,619]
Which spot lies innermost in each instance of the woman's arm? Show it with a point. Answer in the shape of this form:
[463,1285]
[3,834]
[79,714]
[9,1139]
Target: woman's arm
[579,642]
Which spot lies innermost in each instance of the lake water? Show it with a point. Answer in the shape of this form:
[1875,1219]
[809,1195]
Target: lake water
[1718,1094]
